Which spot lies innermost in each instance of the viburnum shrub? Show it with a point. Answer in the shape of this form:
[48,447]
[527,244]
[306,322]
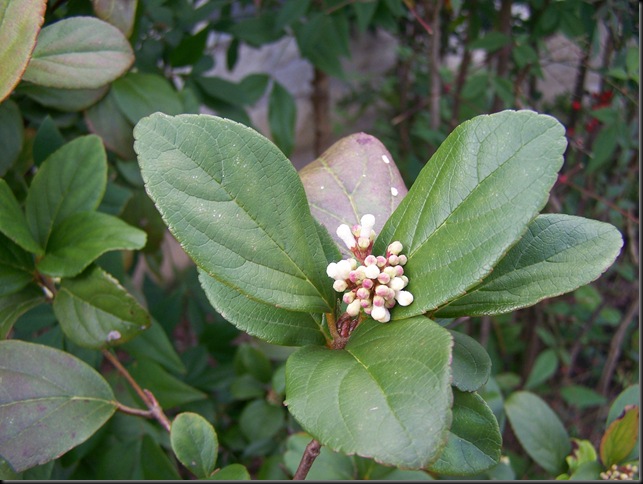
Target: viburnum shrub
[467,239]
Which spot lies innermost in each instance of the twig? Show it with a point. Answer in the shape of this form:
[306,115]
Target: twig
[591,194]
[310,454]
[148,398]
[615,347]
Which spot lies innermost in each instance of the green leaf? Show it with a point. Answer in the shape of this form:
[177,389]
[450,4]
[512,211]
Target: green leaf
[47,140]
[322,40]
[220,188]
[474,441]
[232,472]
[82,237]
[195,443]
[260,420]
[386,395]
[490,42]
[604,147]
[471,365]
[154,344]
[71,180]
[472,201]
[20,23]
[557,254]
[14,305]
[282,117]
[328,466]
[620,437]
[190,49]
[16,267]
[138,95]
[168,390]
[155,463]
[13,223]
[269,323]
[51,402]
[120,13]
[95,311]
[630,396]
[67,100]
[106,120]
[79,53]
[539,430]
[12,134]
[353,177]
[544,368]
[582,397]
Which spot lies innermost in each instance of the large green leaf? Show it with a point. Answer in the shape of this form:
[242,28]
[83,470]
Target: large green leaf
[138,95]
[12,134]
[386,395]
[557,254]
[474,439]
[19,26]
[353,177]
[620,437]
[13,223]
[472,201]
[539,430]
[14,305]
[82,237]
[95,311]
[50,401]
[71,180]
[237,206]
[195,443]
[471,364]
[269,323]
[79,53]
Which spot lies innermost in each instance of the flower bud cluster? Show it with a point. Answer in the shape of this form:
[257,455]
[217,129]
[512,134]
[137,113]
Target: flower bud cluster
[620,473]
[369,283]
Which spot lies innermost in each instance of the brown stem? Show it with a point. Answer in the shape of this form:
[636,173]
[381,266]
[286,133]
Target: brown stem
[434,63]
[615,347]
[152,404]
[463,69]
[321,110]
[590,194]
[310,454]
[502,66]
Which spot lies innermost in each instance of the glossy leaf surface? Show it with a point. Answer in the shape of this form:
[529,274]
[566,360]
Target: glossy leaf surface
[120,13]
[221,187]
[386,395]
[557,254]
[95,311]
[474,440]
[138,95]
[13,223]
[81,238]
[19,26]
[79,53]
[12,134]
[68,100]
[71,180]
[355,176]
[195,443]
[14,305]
[539,430]
[106,120]
[51,402]
[472,201]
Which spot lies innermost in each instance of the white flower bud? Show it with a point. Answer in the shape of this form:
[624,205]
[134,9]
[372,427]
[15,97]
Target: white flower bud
[370,260]
[390,271]
[331,270]
[396,284]
[372,272]
[340,285]
[363,242]
[344,233]
[378,301]
[384,278]
[349,297]
[353,263]
[393,260]
[343,269]
[381,314]
[403,259]
[404,298]
[353,308]
[363,293]
[367,221]
[395,248]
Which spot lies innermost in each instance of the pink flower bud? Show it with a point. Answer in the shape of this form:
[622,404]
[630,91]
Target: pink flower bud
[382,291]
[378,301]
[363,293]
[370,260]
[367,283]
[403,259]
[366,303]
[349,297]
[384,278]
[399,270]
[381,261]
[393,260]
